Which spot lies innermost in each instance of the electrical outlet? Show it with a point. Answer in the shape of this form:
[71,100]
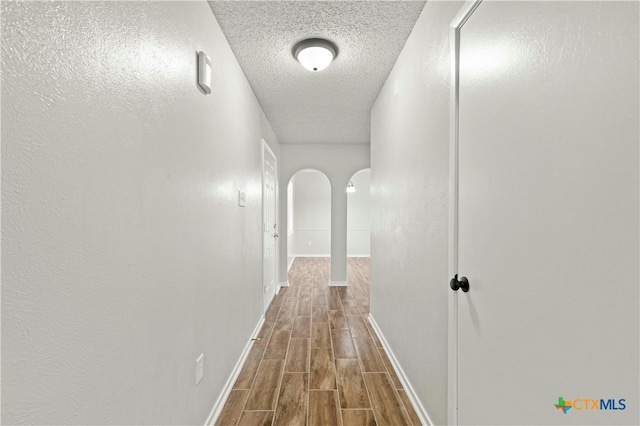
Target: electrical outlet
[309,242]
[199,368]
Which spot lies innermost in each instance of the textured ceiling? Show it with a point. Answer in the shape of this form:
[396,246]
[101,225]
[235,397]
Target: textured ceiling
[331,106]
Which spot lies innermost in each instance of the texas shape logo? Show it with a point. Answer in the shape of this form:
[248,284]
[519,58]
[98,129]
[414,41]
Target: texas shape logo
[563,405]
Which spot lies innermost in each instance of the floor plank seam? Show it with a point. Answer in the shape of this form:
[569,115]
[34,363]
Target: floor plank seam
[309,297]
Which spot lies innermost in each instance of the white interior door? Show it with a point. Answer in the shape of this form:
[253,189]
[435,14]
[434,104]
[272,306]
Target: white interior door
[548,214]
[269,228]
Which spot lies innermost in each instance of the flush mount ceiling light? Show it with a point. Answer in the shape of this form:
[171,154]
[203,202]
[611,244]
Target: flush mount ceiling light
[315,54]
[350,187]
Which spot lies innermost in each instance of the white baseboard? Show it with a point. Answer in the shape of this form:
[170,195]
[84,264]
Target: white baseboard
[327,255]
[293,259]
[417,405]
[338,284]
[226,390]
[284,284]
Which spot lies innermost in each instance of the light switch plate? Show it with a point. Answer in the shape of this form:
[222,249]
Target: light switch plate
[242,198]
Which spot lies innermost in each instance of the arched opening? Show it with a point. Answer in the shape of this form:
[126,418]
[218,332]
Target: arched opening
[308,217]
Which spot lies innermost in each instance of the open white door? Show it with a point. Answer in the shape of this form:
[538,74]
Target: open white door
[545,207]
[269,228]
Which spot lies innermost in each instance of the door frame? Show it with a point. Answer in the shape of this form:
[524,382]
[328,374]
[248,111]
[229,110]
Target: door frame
[266,148]
[455,28]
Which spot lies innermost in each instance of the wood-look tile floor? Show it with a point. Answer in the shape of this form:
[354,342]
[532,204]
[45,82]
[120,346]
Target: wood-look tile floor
[318,361]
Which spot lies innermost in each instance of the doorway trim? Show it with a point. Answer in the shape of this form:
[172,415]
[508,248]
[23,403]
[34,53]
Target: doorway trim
[454,51]
[267,149]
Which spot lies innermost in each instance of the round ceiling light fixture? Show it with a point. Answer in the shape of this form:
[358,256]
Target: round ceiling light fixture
[315,54]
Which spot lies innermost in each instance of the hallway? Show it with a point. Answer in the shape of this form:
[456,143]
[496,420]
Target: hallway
[318,361]
[147,153]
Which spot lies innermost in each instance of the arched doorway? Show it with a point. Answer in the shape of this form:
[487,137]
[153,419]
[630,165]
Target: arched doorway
[308,216]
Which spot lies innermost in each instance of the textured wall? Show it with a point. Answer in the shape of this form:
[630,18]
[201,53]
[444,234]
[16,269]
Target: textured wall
[409,198]
[125,255]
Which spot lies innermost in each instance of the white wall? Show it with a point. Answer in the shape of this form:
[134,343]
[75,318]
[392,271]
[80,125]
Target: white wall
[290,225]
[359,215]
[338,162]
[312,212]
[409,202]
[125,255]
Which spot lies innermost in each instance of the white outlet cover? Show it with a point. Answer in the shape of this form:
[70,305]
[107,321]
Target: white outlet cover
[199,368]
[242,198]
